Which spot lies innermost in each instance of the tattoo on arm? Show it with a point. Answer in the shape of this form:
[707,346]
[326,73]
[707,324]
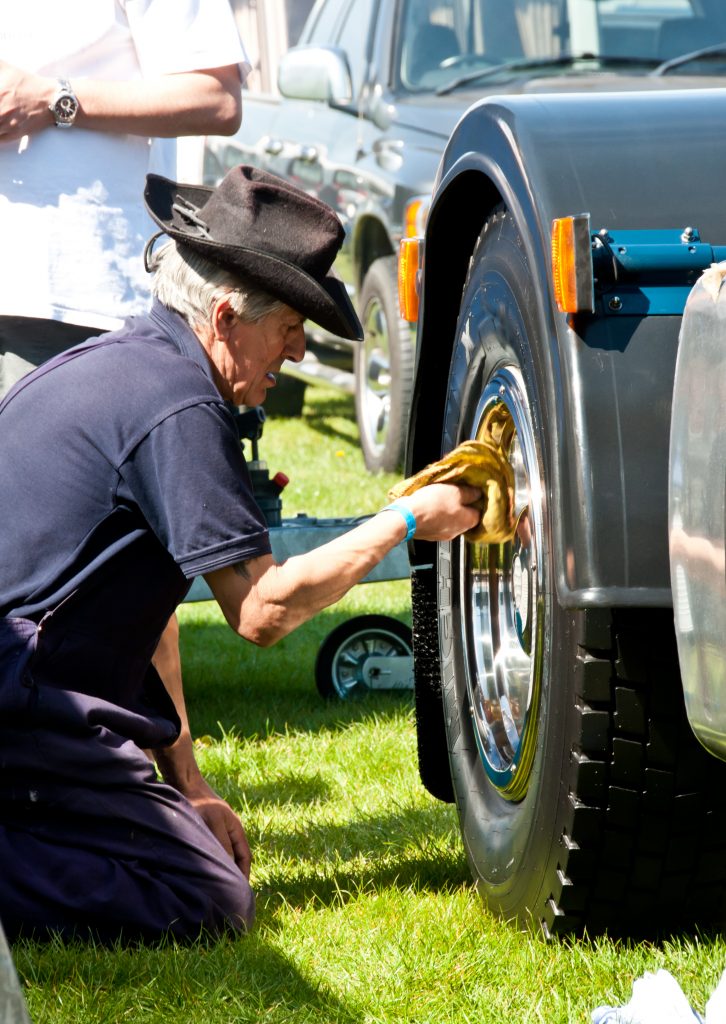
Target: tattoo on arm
[241,569]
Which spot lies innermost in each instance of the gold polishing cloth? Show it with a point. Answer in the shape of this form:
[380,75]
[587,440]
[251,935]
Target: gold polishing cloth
[481,464]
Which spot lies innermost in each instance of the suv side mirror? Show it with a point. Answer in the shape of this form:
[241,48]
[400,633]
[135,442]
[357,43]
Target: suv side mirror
[316,73]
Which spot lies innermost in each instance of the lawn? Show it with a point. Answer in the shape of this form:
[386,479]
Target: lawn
[366,912]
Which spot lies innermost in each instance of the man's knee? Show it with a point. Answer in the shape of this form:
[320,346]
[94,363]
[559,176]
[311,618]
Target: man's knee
[240,917]
[235,909]
[222,901]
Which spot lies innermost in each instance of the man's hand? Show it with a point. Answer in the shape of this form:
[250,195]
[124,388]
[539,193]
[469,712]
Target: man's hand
[444,511]
[24,100]
[222,822]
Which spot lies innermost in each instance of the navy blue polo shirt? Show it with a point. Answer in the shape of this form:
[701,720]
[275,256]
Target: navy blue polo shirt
[121,478]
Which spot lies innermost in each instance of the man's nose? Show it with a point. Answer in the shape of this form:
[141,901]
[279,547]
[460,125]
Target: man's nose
[296,348]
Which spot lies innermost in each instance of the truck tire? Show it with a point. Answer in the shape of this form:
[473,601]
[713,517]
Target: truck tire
[431,747]
[383,367]
[584,800]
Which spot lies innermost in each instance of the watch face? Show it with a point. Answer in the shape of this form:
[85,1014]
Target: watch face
[65,108]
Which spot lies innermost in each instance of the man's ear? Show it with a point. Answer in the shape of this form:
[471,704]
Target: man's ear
[223,317]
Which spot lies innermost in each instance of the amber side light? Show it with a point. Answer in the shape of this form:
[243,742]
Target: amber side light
[563,264]
[408,265]
[415,217]
[572,264]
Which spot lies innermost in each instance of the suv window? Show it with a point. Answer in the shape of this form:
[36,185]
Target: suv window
[672,8]
[448,41]
[324,22]
[356,28]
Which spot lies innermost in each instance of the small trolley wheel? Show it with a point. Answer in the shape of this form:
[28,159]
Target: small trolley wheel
[365,653]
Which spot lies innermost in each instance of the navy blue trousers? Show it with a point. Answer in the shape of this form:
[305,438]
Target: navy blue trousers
[91,843]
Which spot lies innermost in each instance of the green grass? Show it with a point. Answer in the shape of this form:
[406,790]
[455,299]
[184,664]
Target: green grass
[366,912]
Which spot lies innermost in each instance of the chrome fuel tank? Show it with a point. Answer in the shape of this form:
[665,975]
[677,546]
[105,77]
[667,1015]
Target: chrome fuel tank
[697,508]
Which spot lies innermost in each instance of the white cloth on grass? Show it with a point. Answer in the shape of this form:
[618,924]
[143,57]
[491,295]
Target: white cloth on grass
[658,999]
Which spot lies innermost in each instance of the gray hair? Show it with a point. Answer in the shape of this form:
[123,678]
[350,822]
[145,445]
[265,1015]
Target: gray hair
[190,284]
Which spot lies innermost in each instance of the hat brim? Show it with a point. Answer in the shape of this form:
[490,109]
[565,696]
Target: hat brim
[325,301]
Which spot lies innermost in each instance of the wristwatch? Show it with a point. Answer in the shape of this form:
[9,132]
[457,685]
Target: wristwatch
[64,105]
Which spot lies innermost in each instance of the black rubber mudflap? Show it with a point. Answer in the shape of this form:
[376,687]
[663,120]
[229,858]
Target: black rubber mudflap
[433,755]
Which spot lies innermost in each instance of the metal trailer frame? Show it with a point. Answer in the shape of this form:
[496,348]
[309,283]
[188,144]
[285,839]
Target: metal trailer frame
[303,533]
[367,652]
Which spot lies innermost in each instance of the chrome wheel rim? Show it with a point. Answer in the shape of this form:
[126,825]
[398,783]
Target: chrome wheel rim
[502,597]
[347,673]
[376,379]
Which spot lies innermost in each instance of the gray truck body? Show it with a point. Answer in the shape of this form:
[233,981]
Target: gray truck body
[611,376]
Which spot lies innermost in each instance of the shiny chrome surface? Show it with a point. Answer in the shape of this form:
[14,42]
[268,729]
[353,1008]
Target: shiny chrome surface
[313,371]
[375,381]
[697,511]
[501,589]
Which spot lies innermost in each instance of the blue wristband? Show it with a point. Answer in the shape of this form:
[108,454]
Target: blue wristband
[405,511]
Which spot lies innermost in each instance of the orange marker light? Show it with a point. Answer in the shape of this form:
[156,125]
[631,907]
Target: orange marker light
[572,264]
[563,264]
[415,215]
[408,267]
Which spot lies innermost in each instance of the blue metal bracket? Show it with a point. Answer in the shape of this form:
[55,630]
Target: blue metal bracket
[649,272]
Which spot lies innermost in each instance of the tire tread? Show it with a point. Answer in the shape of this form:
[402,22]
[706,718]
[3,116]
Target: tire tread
[645,799]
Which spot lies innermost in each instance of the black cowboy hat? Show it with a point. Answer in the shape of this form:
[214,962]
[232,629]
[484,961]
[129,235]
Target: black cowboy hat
[272,234]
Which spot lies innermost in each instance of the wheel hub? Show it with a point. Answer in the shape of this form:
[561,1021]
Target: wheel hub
[372,659]
[501,589]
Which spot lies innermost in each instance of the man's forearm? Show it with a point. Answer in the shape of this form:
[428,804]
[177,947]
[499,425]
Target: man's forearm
[176,763]
[205,102]
[192,103]
[315,580]
[268,601]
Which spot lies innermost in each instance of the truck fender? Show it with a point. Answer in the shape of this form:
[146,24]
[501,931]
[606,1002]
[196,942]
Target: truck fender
[607,379]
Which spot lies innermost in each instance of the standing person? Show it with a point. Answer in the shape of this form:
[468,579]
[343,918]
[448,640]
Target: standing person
[92,97]
[141,487]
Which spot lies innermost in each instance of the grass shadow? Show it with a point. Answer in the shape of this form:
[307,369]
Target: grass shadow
[290,789]
[332,415]
[407,850]
[248,978]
